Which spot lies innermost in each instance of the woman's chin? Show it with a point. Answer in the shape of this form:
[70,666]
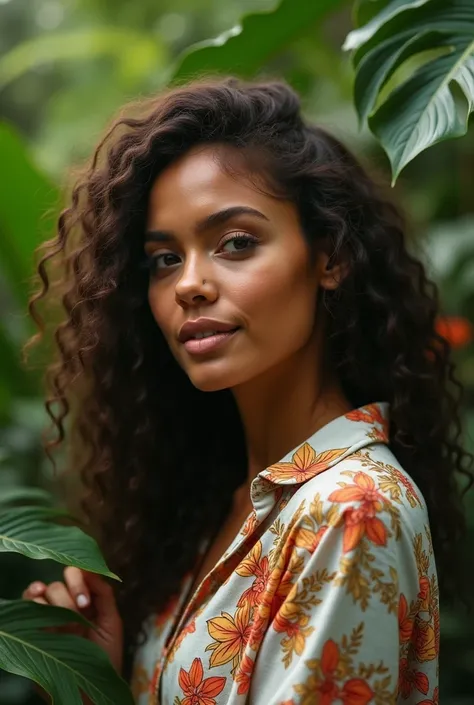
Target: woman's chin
[207,381]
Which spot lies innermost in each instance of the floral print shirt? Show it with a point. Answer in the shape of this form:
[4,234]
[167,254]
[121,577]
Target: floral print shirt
[328,594]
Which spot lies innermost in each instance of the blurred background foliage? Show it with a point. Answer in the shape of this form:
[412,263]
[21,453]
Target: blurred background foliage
[66,68]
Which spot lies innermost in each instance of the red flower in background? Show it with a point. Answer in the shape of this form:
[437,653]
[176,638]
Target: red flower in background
[456,330]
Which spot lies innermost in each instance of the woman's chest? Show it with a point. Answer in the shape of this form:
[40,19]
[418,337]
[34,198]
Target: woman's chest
[226,535]
[213,621]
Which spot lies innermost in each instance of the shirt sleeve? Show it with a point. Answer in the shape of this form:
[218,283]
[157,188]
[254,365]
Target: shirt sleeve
[354,615]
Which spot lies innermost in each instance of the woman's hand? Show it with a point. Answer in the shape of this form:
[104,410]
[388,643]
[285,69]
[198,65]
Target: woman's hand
[90,595]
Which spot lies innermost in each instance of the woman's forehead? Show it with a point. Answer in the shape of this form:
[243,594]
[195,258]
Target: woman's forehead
[198,182]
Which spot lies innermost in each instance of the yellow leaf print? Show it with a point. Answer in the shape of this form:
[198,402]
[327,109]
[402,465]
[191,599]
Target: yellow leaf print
[249,566]
[424,641]
[139,681]
[305,463]
[231,635]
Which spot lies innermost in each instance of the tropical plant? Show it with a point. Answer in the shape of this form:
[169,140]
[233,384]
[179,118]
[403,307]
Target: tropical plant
[434,39]
[63,664]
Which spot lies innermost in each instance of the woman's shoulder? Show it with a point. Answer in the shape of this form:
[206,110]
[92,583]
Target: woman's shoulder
[370,482]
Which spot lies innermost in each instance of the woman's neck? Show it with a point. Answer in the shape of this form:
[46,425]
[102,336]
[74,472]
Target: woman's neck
[285,406]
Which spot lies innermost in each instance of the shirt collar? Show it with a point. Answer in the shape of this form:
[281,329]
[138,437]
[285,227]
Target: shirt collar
[326,447]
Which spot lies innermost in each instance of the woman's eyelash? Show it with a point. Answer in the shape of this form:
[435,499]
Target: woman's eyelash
[149,262]
[241,236]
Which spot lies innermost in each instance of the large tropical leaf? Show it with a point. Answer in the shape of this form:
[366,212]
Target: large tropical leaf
[32,532]
[420,110]
[25,495]
[28,203]
[28,207]
[60,663]
[245,48]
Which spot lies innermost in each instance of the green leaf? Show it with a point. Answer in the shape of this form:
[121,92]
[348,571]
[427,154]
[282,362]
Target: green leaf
[60,663]
[420,111]
[28,207]
[361,36]
[141,52]
[245,48]
[364,10]
[13,378]
[32,532]
[380,64]
[25,495]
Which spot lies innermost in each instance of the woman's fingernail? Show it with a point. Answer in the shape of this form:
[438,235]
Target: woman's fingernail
[82,601]
[36,588]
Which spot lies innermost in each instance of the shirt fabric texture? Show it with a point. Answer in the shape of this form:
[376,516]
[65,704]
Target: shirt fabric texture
[328,593]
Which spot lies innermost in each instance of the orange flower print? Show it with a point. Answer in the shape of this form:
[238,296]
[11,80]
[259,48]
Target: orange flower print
[197,690]
[254,565]
[405,625]
[188,629]
[424,594]
[435,700]
[354,692]
[164,616]
[244,674]
[371,414]
[424,641]
[308,539]
[277,588]
[152,686]
[411,680]
[292,620]
[250,524]
[368,414]
[140,680]
[231,635]
[436,627]
[305,463]
[411,494]
[361,521]
[272,598]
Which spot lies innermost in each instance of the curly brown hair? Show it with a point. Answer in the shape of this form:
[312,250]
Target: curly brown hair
[158,476]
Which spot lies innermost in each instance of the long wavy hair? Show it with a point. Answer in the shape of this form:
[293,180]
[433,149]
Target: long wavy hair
[159,459]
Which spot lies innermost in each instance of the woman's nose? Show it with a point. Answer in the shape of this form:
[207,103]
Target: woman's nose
[195,285]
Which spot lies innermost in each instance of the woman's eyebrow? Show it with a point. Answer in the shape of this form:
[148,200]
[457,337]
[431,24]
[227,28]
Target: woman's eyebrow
[210,221]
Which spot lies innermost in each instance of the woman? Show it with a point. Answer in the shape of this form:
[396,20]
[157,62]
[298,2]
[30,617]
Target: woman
[271,425]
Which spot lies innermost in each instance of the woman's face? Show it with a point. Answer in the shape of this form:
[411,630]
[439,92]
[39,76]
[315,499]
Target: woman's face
[223,251]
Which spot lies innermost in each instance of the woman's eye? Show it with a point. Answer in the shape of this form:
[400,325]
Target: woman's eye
[162,261]
[239,243]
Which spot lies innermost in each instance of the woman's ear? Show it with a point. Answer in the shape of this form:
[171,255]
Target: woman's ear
[332,271]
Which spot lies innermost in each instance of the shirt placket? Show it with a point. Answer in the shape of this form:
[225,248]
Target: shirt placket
[263,500]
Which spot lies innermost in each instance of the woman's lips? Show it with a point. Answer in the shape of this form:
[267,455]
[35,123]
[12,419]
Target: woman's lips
[200,346]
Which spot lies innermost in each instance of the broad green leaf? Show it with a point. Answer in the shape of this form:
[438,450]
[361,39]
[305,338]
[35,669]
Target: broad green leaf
[360,36]
[60,663]
[420,111]
[25,495]
[136,51]
[28,207]
[380,64]
[245,48]
[32,532]
[364,10]
[448,16]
